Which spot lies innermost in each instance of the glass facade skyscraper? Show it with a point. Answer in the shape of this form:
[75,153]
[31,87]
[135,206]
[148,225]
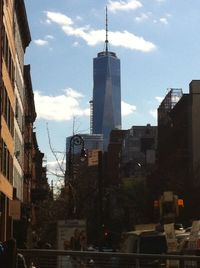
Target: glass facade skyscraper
[91,141]
[106,94]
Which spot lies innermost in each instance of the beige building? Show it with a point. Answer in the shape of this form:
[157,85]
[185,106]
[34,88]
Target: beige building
[14,39]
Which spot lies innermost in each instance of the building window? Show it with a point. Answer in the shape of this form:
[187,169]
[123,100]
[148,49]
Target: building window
[7,110]
[8,58]
[6,2]
[6,162]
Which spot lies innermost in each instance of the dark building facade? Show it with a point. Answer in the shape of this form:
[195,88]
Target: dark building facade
[179,148]
[114,156]
[139,150]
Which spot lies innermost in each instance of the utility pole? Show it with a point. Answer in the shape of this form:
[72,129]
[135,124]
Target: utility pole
[100,198]
[95,158]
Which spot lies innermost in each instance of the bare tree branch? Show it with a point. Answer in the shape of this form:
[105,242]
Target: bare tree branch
[54,154]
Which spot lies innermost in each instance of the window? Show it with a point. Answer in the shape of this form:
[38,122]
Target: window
[6,162]
[7,110]
[8,58]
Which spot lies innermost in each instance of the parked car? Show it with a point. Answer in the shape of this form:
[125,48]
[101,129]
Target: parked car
[188,229]
[179,227]
[182,240]
[147,242]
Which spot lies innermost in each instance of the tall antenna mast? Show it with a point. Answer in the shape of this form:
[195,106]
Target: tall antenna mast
[106,41]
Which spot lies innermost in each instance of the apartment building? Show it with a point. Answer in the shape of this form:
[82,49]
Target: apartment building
[14,38]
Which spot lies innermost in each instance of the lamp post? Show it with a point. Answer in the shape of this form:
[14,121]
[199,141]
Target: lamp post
[75,140]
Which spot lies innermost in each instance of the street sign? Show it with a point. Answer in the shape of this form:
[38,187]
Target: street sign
[93,157]
[15,209]
[66,231]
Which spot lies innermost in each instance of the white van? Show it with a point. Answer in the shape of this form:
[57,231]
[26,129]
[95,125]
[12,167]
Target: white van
[144,242]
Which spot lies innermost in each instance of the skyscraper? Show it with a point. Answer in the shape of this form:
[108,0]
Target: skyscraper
[106,92]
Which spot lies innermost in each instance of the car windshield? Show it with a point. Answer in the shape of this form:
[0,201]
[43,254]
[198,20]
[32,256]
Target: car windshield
[153,244]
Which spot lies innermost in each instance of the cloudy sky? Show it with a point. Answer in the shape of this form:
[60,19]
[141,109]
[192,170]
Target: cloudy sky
[157,42]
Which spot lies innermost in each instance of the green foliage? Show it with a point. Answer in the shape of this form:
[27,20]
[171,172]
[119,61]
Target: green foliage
[134,200]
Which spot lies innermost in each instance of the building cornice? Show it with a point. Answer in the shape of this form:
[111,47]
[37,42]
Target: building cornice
[23,22]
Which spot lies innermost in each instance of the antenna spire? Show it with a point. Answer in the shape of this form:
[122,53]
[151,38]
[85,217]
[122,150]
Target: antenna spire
[106,41]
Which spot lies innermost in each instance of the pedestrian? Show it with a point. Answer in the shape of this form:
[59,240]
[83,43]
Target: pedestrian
[75,240]
[83,241]
[8,253]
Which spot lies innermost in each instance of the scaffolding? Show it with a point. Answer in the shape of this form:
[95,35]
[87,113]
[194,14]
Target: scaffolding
[91,117]
[170,100]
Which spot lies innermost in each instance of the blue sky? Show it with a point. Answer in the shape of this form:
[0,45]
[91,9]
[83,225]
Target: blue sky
[157,42]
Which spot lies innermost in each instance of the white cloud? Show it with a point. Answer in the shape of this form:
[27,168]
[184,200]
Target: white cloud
[127,108]
[153,113]
[79,18]
[56,167]
[142,17]
[58,18]
[92,37]
[73,93]
[48,36]
[47,21]
[168,15]
[40,42]
[114,6]
[164,21]
[145,16]
[159,99]
[131,41]
[75,44]
[64,107]
[44,41]
[59,108]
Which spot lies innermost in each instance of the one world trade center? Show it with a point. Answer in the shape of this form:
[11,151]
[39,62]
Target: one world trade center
[106,114]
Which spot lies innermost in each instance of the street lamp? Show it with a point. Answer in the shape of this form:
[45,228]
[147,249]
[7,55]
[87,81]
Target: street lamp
[75,140]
